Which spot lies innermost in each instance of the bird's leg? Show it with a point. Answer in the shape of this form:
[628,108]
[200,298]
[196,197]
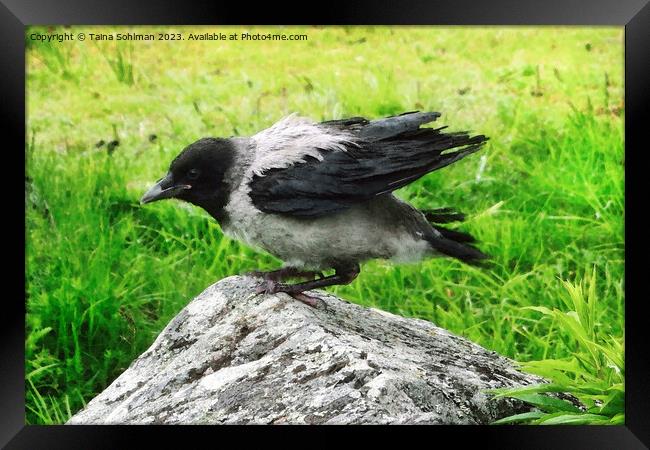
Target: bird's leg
[285,272]
[343,275]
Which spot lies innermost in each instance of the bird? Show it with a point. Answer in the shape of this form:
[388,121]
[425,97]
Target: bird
[319,196]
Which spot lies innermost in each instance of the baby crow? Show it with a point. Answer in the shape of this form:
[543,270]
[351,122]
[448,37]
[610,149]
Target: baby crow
[319,195]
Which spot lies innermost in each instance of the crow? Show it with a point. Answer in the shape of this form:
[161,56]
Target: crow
[319,196]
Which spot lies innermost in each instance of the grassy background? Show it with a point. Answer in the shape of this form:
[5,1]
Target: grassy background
[545,197]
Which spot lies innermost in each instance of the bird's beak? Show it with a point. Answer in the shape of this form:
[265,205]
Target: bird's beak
[164,188]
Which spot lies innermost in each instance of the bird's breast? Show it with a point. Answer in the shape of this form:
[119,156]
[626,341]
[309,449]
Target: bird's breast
[354,235]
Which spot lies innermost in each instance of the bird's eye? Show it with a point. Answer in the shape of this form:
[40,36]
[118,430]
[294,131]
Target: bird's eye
[193,174]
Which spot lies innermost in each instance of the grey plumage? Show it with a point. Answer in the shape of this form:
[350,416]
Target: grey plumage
[319,195]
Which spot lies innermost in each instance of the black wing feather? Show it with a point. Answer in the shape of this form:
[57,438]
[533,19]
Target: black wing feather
[392,153]
[395,125]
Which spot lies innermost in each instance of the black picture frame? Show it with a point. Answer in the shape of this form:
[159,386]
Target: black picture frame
[15,15]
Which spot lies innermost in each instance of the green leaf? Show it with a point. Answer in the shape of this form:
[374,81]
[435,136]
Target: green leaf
[554,369]
[614,355]
[519,418]
[39,370]
[542,309]
[614,404]
[575,419]
[618,419]
[532,389]
[589,388]
[546,403]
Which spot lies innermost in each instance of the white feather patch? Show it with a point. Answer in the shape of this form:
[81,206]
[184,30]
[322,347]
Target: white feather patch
[291,140]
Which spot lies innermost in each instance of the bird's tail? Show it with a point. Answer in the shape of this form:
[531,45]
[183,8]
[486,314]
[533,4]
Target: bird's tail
[456,244]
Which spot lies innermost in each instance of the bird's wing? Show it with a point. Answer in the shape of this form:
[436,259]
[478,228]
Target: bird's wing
[351,161]
[294,139]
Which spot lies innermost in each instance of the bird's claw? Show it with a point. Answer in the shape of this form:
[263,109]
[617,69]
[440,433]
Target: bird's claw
[273,287]
[270,286]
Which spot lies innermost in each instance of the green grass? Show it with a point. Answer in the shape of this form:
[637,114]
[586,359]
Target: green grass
[545,197]
[595,374]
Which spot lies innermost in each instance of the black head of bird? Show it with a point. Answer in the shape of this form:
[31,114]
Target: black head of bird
[196,176]
[319,196]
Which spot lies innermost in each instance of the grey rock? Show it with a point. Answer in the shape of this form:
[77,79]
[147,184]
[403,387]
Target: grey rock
[234,357]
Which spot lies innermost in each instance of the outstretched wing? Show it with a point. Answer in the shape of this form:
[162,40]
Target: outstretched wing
[380,157]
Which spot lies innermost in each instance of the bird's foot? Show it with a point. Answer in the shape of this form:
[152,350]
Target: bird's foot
[270,286]
[273,287]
